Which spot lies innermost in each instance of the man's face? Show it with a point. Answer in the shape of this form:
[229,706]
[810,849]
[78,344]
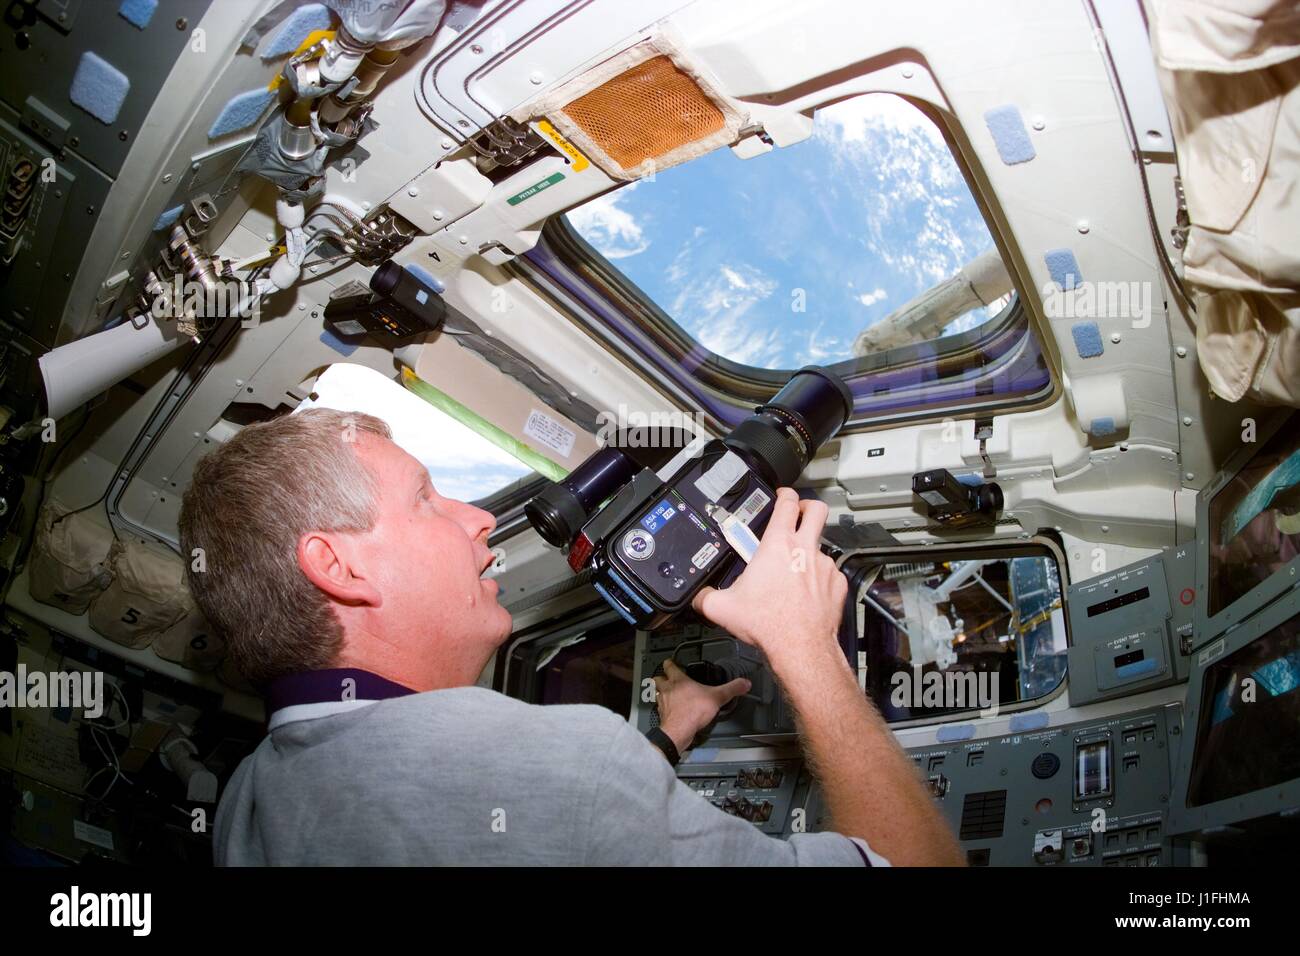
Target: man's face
[426,554]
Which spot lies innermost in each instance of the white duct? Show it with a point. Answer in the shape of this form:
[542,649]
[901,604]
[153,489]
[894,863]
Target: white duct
[75,373]
[980,282]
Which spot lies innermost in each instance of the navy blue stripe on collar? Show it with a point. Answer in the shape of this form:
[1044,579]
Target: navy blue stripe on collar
[330,686]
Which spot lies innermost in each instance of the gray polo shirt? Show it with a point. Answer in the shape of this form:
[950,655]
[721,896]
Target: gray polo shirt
[469,776]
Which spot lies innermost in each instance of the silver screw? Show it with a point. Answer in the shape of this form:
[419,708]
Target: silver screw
[1180,352]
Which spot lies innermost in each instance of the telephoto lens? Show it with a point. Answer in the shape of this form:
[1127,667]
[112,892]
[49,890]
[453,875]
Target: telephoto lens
[781,437]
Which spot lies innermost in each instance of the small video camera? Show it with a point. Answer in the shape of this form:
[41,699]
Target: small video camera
[954,504]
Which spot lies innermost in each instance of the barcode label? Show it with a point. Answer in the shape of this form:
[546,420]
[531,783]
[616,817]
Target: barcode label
[752,505]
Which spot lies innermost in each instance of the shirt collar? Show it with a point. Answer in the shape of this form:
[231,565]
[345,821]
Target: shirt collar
[312,694]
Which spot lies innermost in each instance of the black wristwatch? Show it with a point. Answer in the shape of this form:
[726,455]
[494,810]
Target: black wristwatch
[664,743]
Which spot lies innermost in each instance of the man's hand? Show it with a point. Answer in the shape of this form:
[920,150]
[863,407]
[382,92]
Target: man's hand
[790,597]
[686,706]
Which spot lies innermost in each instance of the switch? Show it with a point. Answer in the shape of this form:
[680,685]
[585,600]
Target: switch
[974,758]
[936,763]
[1130,763]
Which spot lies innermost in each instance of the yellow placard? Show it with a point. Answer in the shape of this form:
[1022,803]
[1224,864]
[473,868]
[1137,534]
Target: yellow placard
[550,132]
[312,39]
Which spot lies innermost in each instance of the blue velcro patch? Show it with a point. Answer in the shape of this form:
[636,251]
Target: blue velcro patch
[337,344]
[1064,268]
[1087,339]
[949,732]
[299,25]
[241,112]
[138,13]
[1009,134]
[99,87]
[167,217]
[1101,427]
[1023,723]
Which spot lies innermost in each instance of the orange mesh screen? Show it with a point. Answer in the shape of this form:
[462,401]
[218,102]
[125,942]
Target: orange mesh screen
[645,113]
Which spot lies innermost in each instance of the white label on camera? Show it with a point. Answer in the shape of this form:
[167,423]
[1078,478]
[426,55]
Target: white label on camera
[720,479]
[752,506]
[704,555]
[551,432]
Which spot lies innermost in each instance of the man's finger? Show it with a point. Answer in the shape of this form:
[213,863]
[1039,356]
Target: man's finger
[785,513]
[702,600]
[671,668]
[812,519]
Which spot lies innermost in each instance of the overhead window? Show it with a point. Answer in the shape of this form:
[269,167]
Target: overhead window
[860,248]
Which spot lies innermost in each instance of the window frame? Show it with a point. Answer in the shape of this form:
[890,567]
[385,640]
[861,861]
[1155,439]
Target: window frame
[727,390]
[1034,547]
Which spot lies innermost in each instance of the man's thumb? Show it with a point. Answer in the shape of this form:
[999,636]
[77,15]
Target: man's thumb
[734,688]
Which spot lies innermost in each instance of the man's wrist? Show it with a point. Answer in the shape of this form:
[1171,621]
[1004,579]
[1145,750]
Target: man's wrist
[682,738]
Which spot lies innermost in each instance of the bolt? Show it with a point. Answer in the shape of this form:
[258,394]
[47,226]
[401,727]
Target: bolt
[167,177]
[463,123]
[74,142]
[446,144]
[1180,352]
[907,72]
[122,135]
[270,237]
[90,210]
[464,240]
[1039,123]
[366,204]
[884,487]
[438,214]
[1083,227]
[413,191]
[476,48]
[182,23]
[1187,419]
[535,78]
[1190,476]
[1105,529]
[1115,337]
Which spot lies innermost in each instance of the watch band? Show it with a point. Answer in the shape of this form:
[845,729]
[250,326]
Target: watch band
[664,743]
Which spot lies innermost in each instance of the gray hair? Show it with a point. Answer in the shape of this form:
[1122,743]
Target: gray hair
[248,504]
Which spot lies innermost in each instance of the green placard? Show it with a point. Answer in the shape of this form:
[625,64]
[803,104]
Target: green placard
[534,189]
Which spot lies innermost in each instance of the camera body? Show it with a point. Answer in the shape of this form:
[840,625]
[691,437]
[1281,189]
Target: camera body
[669,545]
[652,539]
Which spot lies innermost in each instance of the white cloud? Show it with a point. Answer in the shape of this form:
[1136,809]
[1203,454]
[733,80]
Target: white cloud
[717,309]
[612,229]
[871,298]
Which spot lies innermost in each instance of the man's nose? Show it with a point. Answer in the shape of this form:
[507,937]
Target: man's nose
[477,522]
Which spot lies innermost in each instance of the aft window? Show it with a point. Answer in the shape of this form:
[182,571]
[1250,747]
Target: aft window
[860,248]
[963,633]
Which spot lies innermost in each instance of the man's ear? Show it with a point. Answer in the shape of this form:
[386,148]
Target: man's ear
[323,559]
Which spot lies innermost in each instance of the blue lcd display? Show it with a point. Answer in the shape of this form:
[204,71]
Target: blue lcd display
[658,517]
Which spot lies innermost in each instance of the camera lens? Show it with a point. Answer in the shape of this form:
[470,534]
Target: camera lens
[560,510]
[781,437]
